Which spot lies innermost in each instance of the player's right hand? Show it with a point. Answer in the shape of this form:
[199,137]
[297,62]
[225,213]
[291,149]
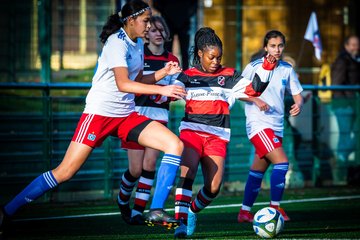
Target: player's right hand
[269,62]
[263,106]
[174,91]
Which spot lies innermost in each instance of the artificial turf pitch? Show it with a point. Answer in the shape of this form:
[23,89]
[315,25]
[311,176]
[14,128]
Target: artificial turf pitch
[316,213]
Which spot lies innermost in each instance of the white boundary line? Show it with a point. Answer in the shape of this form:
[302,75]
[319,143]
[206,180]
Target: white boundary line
[209,207]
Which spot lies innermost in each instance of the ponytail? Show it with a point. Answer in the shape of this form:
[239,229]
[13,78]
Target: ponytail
[131,9]
[112,25]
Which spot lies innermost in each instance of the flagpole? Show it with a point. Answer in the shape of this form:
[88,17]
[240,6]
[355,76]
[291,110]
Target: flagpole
[300,53]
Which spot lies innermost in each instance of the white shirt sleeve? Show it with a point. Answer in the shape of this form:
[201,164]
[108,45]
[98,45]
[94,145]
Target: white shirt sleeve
[238,91]
[115,51]
[294,87]
[248,72]
[245,87]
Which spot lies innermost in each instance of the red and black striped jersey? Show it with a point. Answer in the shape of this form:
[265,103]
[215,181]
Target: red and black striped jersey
[145,104]
[208,101]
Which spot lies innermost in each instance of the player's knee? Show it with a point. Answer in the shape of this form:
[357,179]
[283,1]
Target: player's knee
[175,146]
[62,175]
[180,146]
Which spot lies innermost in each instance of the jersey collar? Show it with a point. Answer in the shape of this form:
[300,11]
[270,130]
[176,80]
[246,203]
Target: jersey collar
[127,38]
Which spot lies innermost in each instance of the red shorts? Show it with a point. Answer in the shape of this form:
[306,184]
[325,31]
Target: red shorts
[131,145]
[265,141]
[135,145]
[92,129]
[204,144]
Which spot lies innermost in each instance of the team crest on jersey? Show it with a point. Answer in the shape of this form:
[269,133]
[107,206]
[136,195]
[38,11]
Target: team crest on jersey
[129,57]
[283,81]
[275,140]
[91,136]
[221,80]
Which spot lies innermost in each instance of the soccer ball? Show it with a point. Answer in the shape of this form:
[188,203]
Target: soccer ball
[268,222]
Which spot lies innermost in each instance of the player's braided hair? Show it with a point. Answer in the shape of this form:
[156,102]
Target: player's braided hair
[205,37]
[115,21]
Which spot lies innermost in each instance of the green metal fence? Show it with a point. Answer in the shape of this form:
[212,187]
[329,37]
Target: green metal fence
[37,122]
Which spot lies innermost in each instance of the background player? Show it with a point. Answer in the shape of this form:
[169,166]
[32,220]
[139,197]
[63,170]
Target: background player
[265,124]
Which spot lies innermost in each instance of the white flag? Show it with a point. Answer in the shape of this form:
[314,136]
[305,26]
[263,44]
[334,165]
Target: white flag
[313,35]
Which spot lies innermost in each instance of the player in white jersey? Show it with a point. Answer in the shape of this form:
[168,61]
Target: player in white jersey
[110,108]
[155,107]
[265,123]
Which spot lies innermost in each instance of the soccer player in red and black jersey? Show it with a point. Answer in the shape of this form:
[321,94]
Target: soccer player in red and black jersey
[205,129]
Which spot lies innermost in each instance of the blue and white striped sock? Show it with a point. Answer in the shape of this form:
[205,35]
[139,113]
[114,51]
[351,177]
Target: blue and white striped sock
[252,188]
[34,190]
[165,179]
[277,181]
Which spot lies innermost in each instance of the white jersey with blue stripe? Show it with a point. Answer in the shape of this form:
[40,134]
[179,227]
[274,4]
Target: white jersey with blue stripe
[283,78]
[104,98]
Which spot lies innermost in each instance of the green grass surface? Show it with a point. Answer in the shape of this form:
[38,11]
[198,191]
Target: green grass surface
[312,218]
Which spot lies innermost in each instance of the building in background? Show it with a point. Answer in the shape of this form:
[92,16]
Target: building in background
[63,34]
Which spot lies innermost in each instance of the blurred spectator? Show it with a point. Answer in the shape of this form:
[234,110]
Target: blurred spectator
[177,14]
[346,71]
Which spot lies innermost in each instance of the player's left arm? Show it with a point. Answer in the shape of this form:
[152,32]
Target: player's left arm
[254,84]
[240,91]
[297,106]
[295,89]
